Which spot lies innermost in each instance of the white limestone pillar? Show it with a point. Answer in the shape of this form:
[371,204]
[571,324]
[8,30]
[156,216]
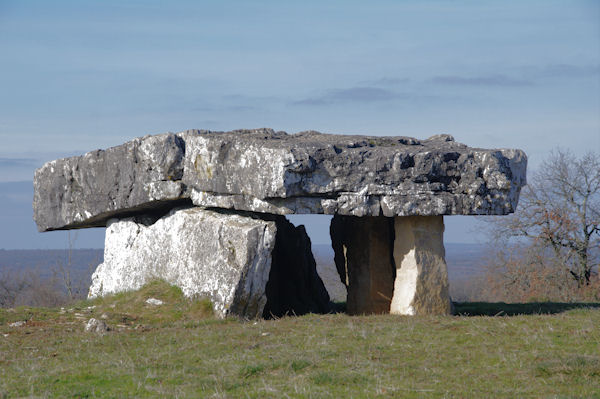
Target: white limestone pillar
[421,285]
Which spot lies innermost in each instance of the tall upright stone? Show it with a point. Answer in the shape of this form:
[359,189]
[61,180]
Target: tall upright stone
[421,284]
[247,265]
[392,265]
[294,287]
[363,250]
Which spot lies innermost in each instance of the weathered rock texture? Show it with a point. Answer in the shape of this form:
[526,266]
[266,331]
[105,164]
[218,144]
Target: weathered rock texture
[363,249]
[227,257]
[88,190]
[392,265]
[387,195]
[273,172]
[421,285]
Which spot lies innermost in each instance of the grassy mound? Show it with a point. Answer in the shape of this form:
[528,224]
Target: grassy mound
[121,311]
[131,307]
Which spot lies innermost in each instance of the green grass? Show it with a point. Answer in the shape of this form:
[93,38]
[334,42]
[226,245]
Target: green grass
[514,309]
[179,350]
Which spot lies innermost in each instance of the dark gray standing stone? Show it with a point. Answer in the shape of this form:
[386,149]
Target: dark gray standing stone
[294,287]
[363,248]
[392,265]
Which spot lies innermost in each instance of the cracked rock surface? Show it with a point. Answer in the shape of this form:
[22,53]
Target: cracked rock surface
[274,172]
[88,190]
[226,258]
[248,266]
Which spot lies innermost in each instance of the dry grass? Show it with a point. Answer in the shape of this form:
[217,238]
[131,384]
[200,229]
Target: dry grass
[179,350]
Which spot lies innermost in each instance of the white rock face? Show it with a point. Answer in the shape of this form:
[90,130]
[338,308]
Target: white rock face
[421,285]
[96,326]
[225,257]
[154,302]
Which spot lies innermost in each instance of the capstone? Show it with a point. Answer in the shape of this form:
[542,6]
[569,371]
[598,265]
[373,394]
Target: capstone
[274,172]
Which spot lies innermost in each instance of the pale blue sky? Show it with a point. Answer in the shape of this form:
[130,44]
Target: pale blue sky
[81,75]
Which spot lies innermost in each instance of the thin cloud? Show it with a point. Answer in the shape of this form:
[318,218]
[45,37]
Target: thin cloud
[17,162]
[568,70]
[19,191]
[241,108]
[363,94]
[490,80]
[387,81]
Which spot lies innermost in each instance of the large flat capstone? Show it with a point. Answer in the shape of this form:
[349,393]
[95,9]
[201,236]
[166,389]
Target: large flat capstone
[278,173]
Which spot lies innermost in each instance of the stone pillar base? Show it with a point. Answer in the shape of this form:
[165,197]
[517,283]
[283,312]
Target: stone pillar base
[421,285]
[363,248]
[392,265]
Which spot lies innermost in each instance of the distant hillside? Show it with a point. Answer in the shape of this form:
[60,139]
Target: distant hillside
[464,261]
[47,261]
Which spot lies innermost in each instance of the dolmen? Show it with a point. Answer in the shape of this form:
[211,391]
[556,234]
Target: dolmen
[206,210]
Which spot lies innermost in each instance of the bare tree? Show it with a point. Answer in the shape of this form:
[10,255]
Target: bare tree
[75,281]
[29,288]
[559,213]
[65,269]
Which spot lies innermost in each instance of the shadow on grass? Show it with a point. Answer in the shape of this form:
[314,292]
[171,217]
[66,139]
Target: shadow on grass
[514,309]
[337,307]
[500,308]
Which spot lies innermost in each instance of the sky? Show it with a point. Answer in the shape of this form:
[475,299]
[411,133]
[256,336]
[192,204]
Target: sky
[80,75]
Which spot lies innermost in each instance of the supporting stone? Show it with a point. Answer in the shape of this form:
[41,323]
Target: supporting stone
[229,258]
[363,248]
[421,285]
[294,287]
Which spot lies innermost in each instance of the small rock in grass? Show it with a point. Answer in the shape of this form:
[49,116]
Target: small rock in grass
[97,326]
[104,316]
[17,324]
[154,301]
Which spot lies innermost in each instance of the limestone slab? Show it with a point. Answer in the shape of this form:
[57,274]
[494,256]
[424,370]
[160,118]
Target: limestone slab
[88,190]
[311,172]
[274,172]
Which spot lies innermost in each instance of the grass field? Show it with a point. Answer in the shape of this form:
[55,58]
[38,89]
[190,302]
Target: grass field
[179,350]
